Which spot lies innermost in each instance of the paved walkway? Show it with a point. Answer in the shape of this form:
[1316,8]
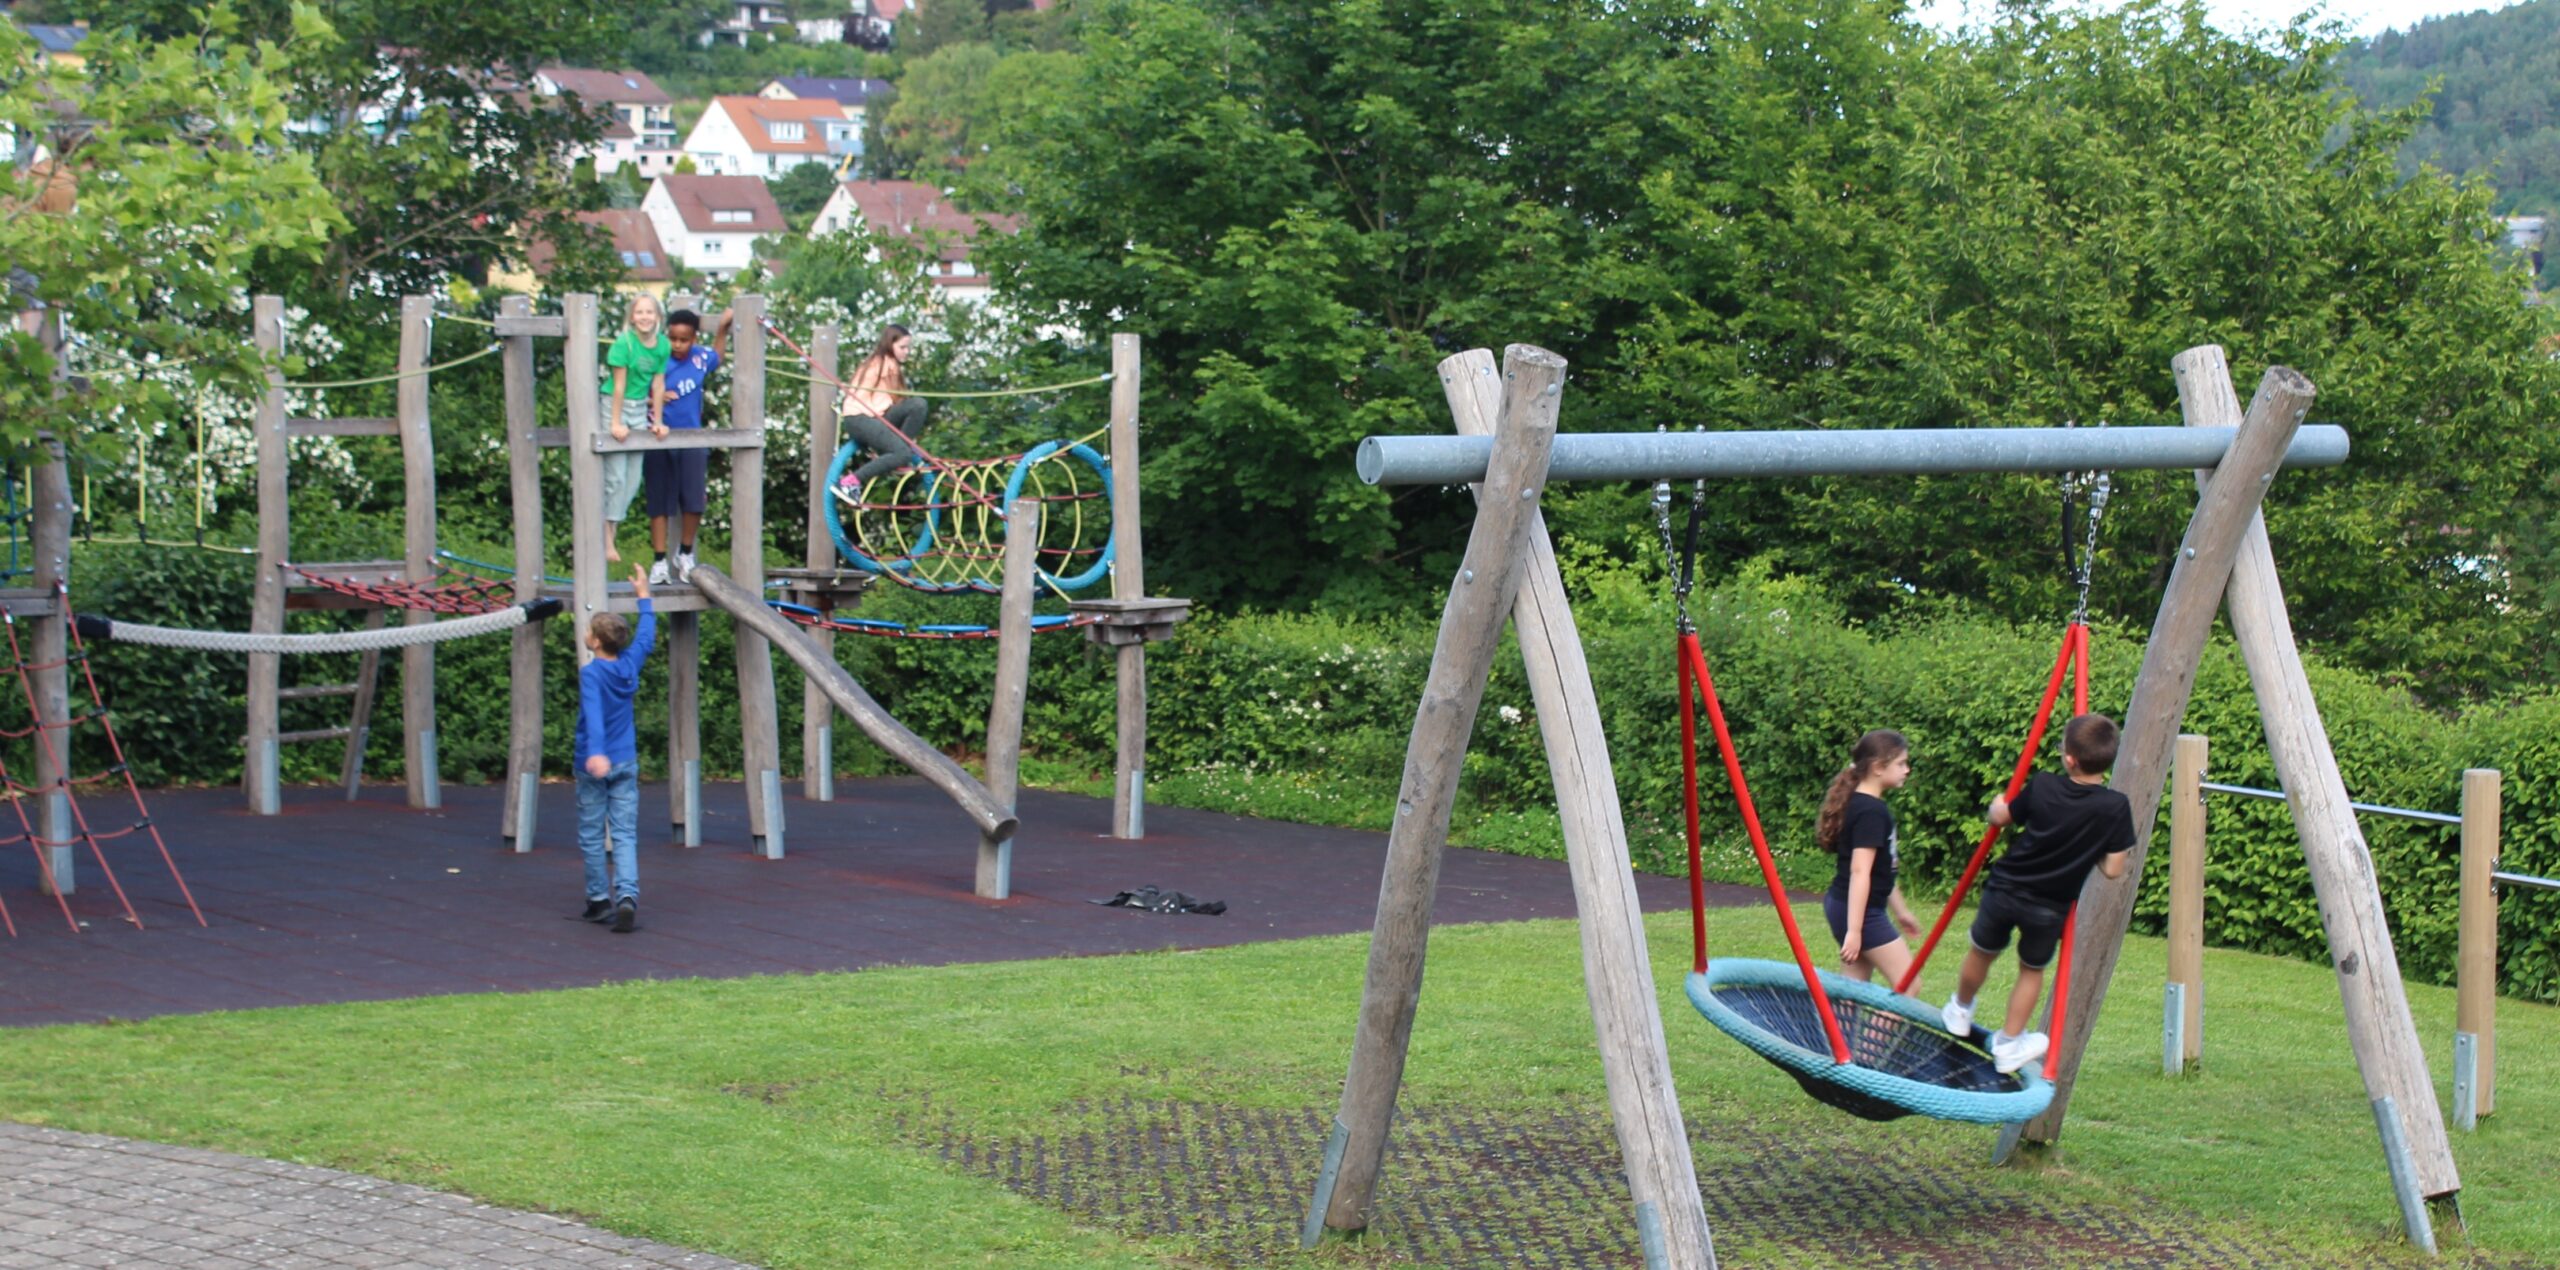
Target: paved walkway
[76,1199]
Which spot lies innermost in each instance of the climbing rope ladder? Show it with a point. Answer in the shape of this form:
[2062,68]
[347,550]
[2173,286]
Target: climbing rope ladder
[1872,1051]
[53,742]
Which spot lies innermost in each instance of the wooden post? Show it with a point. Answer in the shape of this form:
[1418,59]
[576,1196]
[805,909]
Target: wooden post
[2160,693]
[2379,1024]
[817,719]
[2475,1022]
[418,465]
[360,709]
[2184,1010]
[587,579]
[1617,971]
[50,537]
[763,741]
[1128,582]
[684,696]
[1480,597]
[524,654]
[266,602]
[1013,682]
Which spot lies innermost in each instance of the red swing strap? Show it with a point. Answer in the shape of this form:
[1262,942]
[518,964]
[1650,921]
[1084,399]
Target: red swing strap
[2073,658]
[1695,679]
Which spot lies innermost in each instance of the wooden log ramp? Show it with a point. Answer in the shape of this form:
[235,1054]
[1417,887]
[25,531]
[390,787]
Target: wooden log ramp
[993,818]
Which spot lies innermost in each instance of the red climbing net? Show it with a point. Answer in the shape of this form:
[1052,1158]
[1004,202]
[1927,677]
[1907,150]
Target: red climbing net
[462,595]
[53,744]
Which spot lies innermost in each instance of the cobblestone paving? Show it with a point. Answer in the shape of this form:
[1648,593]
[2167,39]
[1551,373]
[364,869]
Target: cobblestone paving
[76,1199]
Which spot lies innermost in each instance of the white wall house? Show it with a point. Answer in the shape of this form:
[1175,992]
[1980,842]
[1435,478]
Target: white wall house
[710,224]
[854,96]
[643,133]
[745,22]
[766,137]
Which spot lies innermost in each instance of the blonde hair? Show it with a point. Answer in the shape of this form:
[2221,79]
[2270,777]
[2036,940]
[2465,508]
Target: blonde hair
[1874,749]
[653,302]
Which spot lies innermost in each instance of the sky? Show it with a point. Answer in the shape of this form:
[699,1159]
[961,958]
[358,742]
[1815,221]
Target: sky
[2363,17]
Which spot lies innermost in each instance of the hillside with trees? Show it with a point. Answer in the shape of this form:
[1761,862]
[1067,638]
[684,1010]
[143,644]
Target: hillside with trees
[2495,78]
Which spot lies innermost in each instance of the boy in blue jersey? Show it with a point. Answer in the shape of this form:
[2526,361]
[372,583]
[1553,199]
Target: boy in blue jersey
[675,478]
[608,761]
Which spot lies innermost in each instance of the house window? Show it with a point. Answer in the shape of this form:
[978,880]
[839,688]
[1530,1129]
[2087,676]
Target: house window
[724,216]
[631,260]
[711,246]
[648,259]
[786,130]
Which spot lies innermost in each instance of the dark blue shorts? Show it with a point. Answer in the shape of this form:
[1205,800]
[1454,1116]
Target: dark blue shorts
[674,480]
[2036,922]
[1879,927]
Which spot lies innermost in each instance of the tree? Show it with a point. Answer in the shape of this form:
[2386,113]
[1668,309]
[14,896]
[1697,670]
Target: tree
[804,189]
[167,173]
[926,128]
[1794,213]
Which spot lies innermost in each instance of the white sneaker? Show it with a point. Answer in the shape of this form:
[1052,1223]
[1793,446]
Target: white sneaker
[2009,1053]
[658,573]
[684,566]
[1958,1017]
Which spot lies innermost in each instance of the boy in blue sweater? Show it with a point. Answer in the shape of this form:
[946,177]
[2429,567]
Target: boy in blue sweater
[609,761]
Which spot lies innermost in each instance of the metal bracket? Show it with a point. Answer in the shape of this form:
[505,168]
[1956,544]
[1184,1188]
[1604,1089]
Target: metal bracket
[431,788]
[2404,1176]
[1325,1176]
[2466,1081]
[1657,1249]
[692,802]
[770,780]
[2173,1030]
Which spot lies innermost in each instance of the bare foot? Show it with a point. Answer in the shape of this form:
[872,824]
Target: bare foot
[612,554]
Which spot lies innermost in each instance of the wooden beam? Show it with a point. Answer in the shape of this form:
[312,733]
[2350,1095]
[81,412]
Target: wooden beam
[1013,683]
[524,322]
[1626,1014]
[762,747]
[551,438]
[49,537]
[1128,582]
[2476,955]
[524,651]
[684,726]
[266,599]
[360,710]
[2379,1024]
[586,470]
[749,610]
[817,722]
[2160,692]
[1480,598]
[342,427]
[418,523]
[685,438]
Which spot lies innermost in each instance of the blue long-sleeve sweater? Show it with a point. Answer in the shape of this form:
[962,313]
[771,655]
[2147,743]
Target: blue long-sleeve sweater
[605,688]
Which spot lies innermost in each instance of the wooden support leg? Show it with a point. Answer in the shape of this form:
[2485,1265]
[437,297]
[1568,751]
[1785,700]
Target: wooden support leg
[2160,693]
[360,711]
[524,654]
[1013,681]
[2475,1023]
[684,726]
[2383,1032]
[2182,1039]
[1470,629]
[1626,1013]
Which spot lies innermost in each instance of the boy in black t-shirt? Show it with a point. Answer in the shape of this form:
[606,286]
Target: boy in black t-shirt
[2067,825]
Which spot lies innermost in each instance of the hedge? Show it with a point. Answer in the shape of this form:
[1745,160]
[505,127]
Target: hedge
[1322,703]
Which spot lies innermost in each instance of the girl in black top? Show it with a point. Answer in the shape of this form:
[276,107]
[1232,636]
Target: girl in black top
[1863,905]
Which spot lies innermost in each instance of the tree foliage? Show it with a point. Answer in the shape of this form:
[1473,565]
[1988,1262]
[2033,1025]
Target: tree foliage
[164,173]
[1792,213]
[2488,77]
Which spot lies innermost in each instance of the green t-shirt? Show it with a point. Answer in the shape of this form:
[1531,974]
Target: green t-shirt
[645,361]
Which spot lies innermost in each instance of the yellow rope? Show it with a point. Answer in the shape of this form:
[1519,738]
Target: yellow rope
[493,346]
[154,542]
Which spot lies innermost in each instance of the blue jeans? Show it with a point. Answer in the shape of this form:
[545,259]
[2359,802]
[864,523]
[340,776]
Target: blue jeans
[610,804]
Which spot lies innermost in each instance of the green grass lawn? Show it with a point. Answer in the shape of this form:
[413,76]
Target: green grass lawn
[860,1120]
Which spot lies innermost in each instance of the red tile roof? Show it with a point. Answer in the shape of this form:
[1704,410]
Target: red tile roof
[634,239]
[904,209]
[752,114]
[624,87]
[696,197]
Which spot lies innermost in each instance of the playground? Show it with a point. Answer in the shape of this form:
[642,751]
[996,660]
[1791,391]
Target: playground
[917,998]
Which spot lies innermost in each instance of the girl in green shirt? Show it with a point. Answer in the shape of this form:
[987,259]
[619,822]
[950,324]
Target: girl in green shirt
[638,356]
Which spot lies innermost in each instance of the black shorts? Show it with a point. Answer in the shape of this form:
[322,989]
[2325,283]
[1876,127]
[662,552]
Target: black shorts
[2037,922]
[674,480]
[1876,931]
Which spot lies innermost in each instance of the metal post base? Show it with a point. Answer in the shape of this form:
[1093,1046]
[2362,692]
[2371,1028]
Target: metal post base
[825,759]
[527,786]
[1333,1147]
[769,782]
[2404,1177]
[2466,1081]
[1134,793]
[692,826]
[430,790]
[2173,1030]
[61,881]
[1657,1252]
[355,771]
[264,779]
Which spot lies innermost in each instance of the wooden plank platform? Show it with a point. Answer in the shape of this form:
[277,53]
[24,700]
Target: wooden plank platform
[342,427]
[682,439]
[1141,621]
[551,324]
[671,598]
[26,602]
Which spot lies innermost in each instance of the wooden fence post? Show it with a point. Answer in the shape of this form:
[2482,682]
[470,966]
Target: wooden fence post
[259,773]
[1128,582]
[50,537]
[2475,1025]
[2182,1038]
[684,693]
[762,747]
[1480,597]
[2160,692]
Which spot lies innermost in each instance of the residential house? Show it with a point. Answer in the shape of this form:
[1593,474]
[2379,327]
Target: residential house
[884,210]
[766,137]
[710,223]
[855,97]
[745,22]
[644,256]
[643,133]
[864,22]
[61,44]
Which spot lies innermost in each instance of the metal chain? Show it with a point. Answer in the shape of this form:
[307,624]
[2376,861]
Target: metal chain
[1679,564]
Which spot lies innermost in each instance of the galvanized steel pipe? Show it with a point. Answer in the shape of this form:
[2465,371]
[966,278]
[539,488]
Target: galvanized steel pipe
[1680,456]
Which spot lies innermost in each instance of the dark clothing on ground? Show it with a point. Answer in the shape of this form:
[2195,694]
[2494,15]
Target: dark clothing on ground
[2063,828]
[1867,824]
[890,450]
